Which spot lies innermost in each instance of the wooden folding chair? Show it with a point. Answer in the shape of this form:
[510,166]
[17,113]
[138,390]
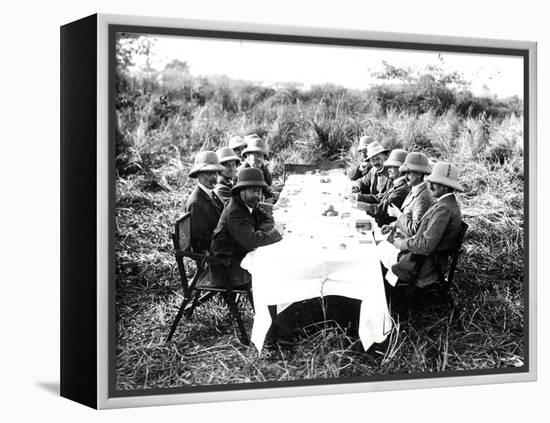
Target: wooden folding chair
[412,293]
[294,168]
[332,164]
[199,289]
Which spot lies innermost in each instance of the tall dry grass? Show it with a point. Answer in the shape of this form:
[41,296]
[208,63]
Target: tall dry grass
[159,128]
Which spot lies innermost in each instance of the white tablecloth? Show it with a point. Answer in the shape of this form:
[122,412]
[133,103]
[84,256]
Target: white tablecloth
[318,256]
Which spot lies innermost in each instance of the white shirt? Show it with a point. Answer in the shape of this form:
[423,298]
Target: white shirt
[208,191]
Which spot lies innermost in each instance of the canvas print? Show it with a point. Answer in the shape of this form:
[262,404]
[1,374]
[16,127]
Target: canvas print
[292,211]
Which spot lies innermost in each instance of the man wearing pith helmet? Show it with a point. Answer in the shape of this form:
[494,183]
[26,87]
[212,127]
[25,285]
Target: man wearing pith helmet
[229,160]
[438,230]
[237,144]
[203,204]
[419,199]
[255,155]
[377,206]
[362,168]
[376,181]
[244,226]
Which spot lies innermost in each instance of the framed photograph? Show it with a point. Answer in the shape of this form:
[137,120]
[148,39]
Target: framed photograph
[368,215]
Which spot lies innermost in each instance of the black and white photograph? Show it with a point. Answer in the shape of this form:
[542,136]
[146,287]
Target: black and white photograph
[295,212]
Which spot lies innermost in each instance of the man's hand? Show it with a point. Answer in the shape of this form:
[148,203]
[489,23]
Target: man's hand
[363,166]
[400,243]
[394,211]
[354,189]
[362,206]
[386,229]
[279,228]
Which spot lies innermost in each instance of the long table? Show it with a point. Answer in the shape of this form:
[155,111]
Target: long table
[318,256]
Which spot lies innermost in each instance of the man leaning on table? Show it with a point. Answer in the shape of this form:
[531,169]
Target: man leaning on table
[377,180]
[437,232]
[243,226]
[377,206]
[418,200]
[362,168]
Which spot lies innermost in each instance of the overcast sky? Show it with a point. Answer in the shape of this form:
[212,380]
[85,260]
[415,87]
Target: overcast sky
[315,64]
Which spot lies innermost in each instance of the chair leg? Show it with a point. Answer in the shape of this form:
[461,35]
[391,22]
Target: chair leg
[189,312]
[178,318]
[251,300]
[235,313]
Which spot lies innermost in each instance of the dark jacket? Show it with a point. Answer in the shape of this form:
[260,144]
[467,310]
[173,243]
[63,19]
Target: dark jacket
[223,188]
[205,213]
[395,195]
[356,173]
[438,231]
[374,182]
[268,178]
[240,231]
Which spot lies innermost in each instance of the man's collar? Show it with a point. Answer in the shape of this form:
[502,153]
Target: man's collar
[445,195]
[400,181]
[207,190]
[417,188]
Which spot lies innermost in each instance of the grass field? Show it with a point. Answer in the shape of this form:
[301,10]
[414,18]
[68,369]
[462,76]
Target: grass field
[159,130]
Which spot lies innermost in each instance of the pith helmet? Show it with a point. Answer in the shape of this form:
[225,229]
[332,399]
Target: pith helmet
[254,144]
[364,141]
[226,154]
[375,148]
[249,177]
[205,161]
[397,158]
[445,173]
[416,162]
[237,142]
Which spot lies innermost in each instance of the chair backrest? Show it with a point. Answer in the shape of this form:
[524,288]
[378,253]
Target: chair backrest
[332,164]
[455,251]
[182,233]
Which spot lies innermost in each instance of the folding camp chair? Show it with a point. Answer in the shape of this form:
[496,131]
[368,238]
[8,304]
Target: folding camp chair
[332,164]
[290,168]
[294,168]
[199,290]
[412,294]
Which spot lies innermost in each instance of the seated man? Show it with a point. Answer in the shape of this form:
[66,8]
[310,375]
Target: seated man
[229,160]
[203,203]
[243,226]
[377,206]
[255,155]
[437,233]
[376,181]
[362,168]
[237,144]
[419,199]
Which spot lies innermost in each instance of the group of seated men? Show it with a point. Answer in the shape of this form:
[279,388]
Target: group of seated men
[226,219]
[411,202]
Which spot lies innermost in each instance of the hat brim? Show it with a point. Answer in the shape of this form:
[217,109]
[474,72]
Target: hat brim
[230,159]
[413,168]
[254,150]
[193,173]
[393,163]
[445,181]
[376,153]
[247,184]
[238,145]
[362,148]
